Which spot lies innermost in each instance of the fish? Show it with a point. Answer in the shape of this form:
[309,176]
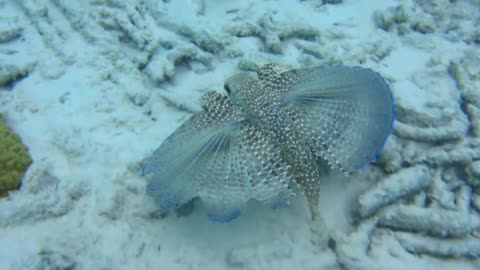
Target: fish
[271,131]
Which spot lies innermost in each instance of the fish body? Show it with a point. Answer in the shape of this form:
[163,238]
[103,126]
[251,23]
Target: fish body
[269,132]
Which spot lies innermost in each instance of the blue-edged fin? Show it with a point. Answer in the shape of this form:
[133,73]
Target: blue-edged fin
[346,113]
[226,188]
[219,157]
[248,165]
[176,168]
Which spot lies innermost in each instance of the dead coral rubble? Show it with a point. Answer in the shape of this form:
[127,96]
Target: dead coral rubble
[426,16]
[392,188]
[272,32]
[424,244]
[433,207]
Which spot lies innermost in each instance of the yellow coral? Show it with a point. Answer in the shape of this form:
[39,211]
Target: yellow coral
[14,159]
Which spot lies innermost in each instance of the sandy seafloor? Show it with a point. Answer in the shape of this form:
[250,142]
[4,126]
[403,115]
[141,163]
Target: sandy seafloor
[94,86]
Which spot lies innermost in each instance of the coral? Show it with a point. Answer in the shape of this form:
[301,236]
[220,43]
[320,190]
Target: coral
[50,259]
[12,67]
[473,173]
[9,29]
[332,1]
[432,221]
[247,255]
[426,17]
[272,33]
[455,131]
[41,199]
[54,37]
[390,159]
[437,116]
[436,215]
[466,73]
[476,202]
[422,244]
[462,153]
[163,64]
[474,113]
[393,187]
[401,19]
[440,192]
[14,159]
[158,56]
[12,72]
[352,248]
[130,25]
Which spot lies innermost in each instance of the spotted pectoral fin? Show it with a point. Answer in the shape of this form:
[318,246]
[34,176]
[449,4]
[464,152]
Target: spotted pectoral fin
[175,170]
[224,162]
[346,113]
[248,165]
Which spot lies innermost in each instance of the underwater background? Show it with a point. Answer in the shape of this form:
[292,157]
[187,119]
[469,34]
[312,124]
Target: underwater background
[90,88]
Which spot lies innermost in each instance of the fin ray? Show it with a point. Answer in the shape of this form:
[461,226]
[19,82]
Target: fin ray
[222,159]
[349,111]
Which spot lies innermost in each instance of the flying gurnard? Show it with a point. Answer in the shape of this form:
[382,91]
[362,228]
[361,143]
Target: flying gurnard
[272,130]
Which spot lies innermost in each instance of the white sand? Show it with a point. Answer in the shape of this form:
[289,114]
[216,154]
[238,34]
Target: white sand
[93,87]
